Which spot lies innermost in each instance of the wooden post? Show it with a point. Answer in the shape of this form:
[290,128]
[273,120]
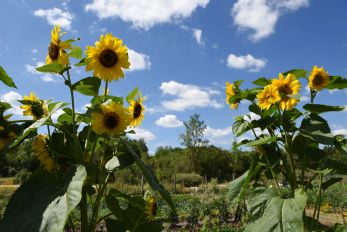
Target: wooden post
[142,187]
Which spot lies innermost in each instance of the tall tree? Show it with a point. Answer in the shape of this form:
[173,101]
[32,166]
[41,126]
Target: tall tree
[193,139]
[193,135]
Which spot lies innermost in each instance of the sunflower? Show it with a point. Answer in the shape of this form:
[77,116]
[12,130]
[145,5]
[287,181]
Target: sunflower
[34,107]
[230,91]
[5,137]
[56,52]
[287,86]
[42,153]
[318,79]
[151,208]
[268,97]
[112,120]
[107,58]
[137,110]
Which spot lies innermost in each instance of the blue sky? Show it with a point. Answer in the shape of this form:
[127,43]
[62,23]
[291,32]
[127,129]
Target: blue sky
[182,52]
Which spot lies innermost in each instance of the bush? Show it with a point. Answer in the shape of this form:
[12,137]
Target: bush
[189,179]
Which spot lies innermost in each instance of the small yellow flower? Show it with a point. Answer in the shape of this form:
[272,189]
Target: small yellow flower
[37,108]
[112,120]
[287,86]
[268,96]
[230,92]
[151,208]
[137,110]
[42,153]
[318,79]
[5,138]
[56,52]
[107,58]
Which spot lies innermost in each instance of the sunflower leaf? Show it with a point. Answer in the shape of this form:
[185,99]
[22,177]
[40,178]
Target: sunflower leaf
[82,62]
[298,73]
[132,94]
[76,52]
[319,108]
[337,82]
[52,68]
[88,86]
[262,81]
[6,79]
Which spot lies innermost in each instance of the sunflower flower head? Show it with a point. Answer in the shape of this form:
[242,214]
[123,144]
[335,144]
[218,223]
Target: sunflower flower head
[318,79]
[287,86]
[268,97]
[107,58]
[56,49]
[151,208]
[33,106]
[137,110]
[230,91]
[112,120]
[42,153]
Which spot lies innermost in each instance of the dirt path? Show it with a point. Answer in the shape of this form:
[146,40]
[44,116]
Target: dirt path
[329,219]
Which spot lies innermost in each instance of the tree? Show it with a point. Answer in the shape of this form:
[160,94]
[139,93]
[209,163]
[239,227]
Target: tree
[193,139]
[194,132]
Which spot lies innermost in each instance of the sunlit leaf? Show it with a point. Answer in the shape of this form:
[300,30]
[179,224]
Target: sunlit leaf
[6,79]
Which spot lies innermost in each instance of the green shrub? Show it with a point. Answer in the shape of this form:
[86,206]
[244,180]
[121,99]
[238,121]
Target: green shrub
[189,179]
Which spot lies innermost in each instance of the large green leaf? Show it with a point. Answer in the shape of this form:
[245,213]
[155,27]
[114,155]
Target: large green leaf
[76,52]
[152,180]
[337,82]
[132,94]
[88,86]
[52,68]
[283,215]
[262,81]
[6,79]
[112,164]
[53,107]
[316,128]
[330,182]
[261,141]
[298,73]
[59,209]
[318,108]
[43,202]
[240,126]
[235,187]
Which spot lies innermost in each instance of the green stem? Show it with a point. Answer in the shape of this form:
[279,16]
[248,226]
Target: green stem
[48,132]
[318,201]
[84,211]
[105,94]
[72,102]
[95,213]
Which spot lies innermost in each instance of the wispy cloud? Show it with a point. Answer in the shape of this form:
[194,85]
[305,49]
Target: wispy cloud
[56,16]
[247,62]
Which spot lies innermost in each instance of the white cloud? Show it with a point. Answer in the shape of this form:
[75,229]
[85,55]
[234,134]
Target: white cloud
[138,61]
[217,133]
[197,33]
[245,62]
[142,134]
[56,16]
[187,97]
[251,116]
[34,50]
[169,120]
[340,132]
[145,14]
[261,16]
[45,77]
[12,98]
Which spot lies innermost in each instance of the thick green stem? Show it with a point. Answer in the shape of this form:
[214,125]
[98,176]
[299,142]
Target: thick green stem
[318,201]
[72,102]
[84,211]
[106,90]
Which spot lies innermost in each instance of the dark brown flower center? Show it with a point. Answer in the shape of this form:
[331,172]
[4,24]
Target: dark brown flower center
[284,91]
[154,208]
[37,110]
[137,110]
[53,51]
[108,58]
[111,120]
[318,80]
